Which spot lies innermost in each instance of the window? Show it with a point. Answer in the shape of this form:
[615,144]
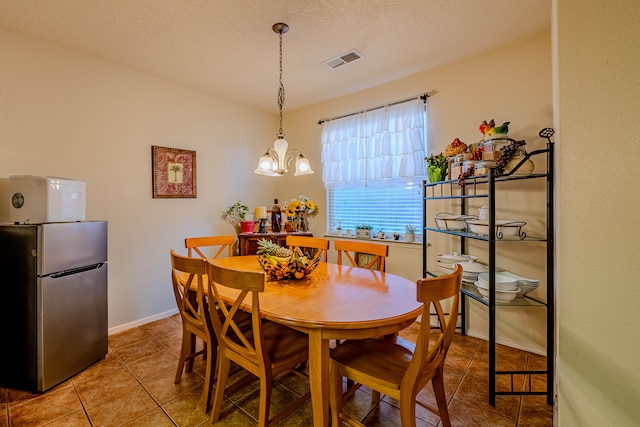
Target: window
[373,166]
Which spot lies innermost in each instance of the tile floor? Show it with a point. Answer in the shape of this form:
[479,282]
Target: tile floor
[133,386]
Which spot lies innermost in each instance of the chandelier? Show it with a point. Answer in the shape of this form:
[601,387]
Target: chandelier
[276,160]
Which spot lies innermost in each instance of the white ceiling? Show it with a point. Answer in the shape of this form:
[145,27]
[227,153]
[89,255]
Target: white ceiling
[227,47]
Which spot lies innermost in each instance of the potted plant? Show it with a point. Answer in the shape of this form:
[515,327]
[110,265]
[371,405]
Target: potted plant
[410,233]
[437,167]
[363,231]
[236,215]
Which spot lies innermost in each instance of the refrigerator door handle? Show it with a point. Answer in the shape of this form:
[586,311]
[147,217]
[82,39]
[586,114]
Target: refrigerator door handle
[75,270]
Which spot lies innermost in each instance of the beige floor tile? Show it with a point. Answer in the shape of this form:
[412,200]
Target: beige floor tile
[74,419]
[153,365]
[46,408]
[127,337]
[187,409]
[121,408]
[163,389]
[154,418]
[108,384]
[139,350]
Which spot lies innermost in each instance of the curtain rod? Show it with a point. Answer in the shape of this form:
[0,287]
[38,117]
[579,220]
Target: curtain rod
[424,97]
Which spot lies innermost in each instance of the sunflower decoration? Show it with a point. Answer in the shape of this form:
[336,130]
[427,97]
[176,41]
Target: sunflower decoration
[297,210]
[300,206]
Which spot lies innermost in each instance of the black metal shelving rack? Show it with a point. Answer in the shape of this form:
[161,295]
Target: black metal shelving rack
[484,186]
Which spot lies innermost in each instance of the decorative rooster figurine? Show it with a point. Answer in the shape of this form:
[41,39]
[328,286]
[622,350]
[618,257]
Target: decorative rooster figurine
[490,128]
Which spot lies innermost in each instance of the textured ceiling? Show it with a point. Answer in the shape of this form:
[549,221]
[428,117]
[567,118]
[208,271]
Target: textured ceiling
[227,47]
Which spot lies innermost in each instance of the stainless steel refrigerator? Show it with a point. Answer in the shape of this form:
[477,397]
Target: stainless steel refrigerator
[53,301]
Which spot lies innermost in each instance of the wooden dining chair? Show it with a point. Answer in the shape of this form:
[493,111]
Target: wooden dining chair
[362,254]
[267,350]
[193,312]
[200,247]
[302,244]
[398,368]
[197,244]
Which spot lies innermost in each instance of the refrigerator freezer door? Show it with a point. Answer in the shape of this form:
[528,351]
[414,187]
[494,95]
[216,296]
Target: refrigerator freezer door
[72,329]
[66,246]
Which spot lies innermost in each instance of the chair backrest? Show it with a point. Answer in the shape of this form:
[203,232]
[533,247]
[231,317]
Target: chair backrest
[431,351]
[362,254]
[299,243]
[184,272]
[196,244]
[244,342]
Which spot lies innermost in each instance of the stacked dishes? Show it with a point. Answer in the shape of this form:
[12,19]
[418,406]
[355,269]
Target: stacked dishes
[470,268]
[525,285]
[447,262]
[506,287]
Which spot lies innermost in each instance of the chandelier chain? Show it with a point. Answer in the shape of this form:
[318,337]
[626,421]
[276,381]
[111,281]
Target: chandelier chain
[280,91]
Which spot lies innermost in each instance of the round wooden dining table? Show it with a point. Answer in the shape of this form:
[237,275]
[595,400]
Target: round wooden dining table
[333,302]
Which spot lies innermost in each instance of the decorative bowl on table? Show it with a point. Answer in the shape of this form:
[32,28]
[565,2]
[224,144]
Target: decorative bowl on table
[292,267]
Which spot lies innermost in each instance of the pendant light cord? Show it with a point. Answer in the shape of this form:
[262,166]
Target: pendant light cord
[280,91]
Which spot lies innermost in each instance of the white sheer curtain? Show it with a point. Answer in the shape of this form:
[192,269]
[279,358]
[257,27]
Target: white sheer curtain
[375,148]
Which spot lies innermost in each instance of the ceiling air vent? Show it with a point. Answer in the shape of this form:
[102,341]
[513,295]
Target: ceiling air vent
[343,59]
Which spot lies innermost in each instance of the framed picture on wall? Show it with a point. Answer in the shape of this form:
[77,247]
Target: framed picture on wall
[173,173]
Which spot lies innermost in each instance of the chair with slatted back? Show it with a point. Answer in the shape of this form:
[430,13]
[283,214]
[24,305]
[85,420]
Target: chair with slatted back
[186,274]
[197,245]
[302,244]
[362,254]
[398,368]
[267,350]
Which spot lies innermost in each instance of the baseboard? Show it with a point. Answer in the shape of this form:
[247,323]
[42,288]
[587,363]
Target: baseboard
[508,343]
[126,326]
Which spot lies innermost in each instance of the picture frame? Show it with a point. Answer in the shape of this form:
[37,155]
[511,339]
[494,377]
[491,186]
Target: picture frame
[173,173]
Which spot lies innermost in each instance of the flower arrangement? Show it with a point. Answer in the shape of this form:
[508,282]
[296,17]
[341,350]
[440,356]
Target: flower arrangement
[296,210]
[437,168]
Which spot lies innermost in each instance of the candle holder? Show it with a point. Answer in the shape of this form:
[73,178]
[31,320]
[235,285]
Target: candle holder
[261,214]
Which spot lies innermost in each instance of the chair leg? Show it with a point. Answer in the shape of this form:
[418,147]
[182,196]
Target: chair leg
[208,378]
[438,388]
[407,410]
[184,348]
[335,396]
[192,350]
[265,400]
[224,365]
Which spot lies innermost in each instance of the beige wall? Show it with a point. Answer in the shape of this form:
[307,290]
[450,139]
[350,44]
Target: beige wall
[508,84]
[64,114]
[598,92]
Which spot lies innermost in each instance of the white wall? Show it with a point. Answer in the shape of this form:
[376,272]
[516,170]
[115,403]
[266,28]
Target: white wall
[64,114]
[512,83]
[598,92]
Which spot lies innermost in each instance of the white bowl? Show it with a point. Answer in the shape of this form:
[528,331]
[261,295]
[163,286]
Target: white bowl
[504,228]
[454,258]
[502,296]
[452,222]
[526,288]
[503,283]
[471,269]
